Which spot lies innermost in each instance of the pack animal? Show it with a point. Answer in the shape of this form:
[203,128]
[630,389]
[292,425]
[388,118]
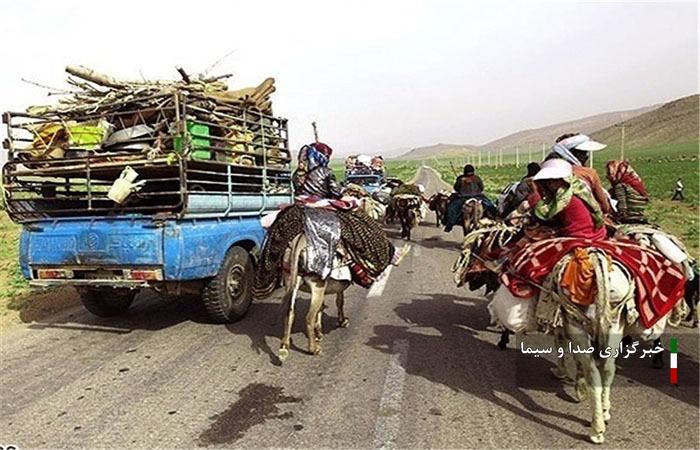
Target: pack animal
[318,288]
[472,213]
[406,209]
[438,203]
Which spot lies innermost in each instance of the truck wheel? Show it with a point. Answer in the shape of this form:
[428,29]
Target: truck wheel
[228,295]
[106,302]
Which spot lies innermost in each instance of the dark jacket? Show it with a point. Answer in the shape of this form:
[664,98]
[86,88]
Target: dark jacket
[468,185]
[320,182]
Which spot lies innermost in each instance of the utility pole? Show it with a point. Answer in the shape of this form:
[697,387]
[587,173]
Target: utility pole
[488,157]
[622,139]
[543,151]
[313,124]
[517,156]
[500,157]
[479,157]
[529,153]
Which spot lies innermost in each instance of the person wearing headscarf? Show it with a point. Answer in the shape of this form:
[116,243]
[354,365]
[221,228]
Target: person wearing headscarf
[313,177]
[628,189]
[575,149]
[567,204]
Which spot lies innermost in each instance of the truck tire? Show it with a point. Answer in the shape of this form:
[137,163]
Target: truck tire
[106,302]
[228,295]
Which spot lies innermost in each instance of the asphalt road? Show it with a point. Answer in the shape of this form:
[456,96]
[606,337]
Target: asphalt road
[418,367]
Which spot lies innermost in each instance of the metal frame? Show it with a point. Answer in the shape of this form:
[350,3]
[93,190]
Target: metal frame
[74,186]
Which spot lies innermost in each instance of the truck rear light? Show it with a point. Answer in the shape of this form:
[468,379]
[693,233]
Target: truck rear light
[52,274]
[144,275]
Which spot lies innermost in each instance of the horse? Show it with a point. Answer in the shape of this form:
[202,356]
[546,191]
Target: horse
[438,203]
[406,209]
[318,288]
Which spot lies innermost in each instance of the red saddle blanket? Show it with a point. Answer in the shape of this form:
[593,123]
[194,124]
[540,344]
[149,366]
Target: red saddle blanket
[659,283]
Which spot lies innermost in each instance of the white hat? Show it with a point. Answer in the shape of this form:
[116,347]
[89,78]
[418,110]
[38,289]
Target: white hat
[553,169]
[582,142]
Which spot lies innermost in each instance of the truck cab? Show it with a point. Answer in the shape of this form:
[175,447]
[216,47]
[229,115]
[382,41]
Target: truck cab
[189,222]
[370,182]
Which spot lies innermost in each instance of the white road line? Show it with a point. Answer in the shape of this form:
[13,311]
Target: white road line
[377,288]
[388,424]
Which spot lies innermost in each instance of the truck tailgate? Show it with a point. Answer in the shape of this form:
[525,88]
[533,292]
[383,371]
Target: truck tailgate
[94,242]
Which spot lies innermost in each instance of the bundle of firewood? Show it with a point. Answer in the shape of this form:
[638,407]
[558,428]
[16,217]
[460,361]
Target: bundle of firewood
[94,92]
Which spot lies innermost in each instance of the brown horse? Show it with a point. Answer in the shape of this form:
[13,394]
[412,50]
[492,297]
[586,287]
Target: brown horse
[438,202]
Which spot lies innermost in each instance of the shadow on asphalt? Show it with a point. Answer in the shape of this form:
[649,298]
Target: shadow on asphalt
[149,311]
[266,320]
[444,359]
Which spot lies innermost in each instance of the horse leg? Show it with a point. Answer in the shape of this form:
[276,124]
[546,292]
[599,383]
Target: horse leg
[289,302]
[586,361]
[505,338]
[343,321]
[318,329]
[318,289]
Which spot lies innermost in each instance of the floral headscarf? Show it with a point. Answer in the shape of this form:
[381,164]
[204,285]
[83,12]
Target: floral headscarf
[621,172]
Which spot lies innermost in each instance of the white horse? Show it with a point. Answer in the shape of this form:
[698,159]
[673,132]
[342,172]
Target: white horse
[319,288]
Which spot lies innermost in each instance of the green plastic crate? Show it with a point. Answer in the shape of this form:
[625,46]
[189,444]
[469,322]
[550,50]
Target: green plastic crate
[200,141]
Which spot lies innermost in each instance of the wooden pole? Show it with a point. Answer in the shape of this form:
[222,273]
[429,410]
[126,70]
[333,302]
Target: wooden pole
[543,151]
[500,157]
[313,124]
[517,156]
[488,158]
[479,157]
[622,144]
[529,153]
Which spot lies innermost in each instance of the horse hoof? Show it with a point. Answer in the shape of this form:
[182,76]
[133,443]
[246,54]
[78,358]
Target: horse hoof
[502,345]
[343,323]
[597,438]
[607,416]
[558,373]
[581,393]
[315,351]
[282,354]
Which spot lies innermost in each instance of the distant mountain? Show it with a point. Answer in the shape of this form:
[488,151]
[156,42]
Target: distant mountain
[673,122]
[534,137]
[439,151]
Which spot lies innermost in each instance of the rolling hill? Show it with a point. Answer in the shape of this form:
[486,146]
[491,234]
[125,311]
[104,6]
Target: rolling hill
[439,150]
[536,137]
[672,123]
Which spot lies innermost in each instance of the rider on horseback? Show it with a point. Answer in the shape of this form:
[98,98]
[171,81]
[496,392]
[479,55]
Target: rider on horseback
[467,186]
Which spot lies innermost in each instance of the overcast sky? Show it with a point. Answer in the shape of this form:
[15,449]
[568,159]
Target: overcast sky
[375,75]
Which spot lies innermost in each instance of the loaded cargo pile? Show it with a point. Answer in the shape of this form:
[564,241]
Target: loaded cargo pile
[190,147]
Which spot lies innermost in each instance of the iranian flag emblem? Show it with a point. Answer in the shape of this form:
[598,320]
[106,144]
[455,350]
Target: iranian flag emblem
[673,344]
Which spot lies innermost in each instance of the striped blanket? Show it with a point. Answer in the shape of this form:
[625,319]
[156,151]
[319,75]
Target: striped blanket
[659,283]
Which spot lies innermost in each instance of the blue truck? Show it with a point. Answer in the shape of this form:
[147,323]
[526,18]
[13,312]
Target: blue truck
[206,170]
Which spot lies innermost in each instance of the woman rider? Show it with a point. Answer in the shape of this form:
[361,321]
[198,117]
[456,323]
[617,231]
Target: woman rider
[567,204]
[627,188]
[313,177]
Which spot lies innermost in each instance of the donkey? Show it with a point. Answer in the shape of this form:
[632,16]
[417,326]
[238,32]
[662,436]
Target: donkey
[438,203]
[472,213]
[406,210]
[318,288]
